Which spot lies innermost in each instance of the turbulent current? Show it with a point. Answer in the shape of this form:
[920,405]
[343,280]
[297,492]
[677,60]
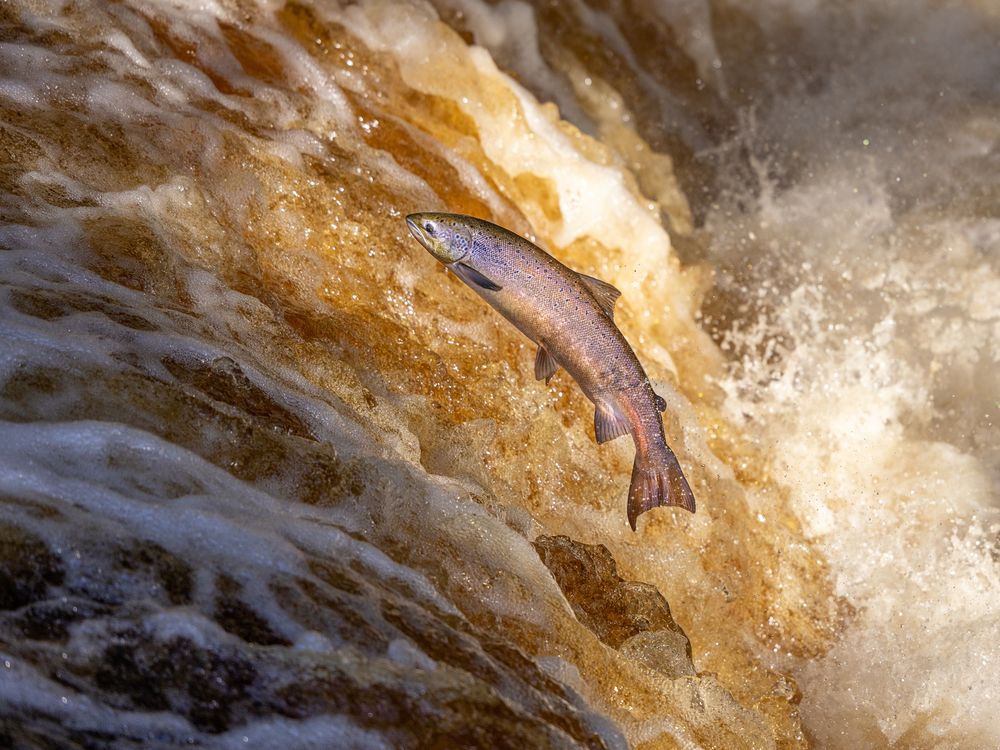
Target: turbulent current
[271,478]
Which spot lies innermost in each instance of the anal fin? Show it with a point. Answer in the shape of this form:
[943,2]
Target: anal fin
[545,365]
[609,423]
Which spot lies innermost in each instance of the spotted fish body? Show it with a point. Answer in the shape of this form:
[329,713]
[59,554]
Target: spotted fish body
[571,318]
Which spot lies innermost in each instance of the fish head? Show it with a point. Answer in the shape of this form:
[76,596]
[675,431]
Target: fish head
[445,236]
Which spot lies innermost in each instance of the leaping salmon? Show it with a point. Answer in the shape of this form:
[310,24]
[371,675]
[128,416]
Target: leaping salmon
[570,317]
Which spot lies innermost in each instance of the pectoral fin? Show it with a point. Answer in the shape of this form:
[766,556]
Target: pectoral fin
[605,294]
[545,366]
[609,423]
[472,277]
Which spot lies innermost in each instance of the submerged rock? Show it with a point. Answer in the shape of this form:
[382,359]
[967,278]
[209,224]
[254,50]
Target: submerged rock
[367,661]
[629,616]
[27,568]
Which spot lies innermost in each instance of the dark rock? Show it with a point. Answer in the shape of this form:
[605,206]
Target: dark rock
[172,573]
[27,568]
[616,610]
[236,617]
[224,380]
[51,620]
[204,684]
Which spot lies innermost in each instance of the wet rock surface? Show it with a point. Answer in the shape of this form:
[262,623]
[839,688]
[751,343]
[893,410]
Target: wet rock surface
[27,568]
[627,615]
[414,675]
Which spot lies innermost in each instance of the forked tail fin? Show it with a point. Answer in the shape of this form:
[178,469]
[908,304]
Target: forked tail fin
[654,485]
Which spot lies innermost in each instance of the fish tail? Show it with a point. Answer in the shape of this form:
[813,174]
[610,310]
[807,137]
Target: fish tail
[655,484]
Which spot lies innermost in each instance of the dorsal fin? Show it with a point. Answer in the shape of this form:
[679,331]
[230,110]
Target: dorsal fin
[605,294]
[660,403]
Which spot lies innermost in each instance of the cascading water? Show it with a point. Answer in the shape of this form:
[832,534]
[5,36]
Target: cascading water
[270,478]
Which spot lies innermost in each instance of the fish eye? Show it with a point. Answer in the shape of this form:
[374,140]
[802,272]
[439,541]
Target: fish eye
[428,227]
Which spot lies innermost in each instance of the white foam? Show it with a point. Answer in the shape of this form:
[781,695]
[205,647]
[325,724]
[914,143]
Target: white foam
[22,688]
[873,393]
[319,733]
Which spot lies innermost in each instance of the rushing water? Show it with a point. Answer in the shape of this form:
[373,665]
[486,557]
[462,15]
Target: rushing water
[270,478]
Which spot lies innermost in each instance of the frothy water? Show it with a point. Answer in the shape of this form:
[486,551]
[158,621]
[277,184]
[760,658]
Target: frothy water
[270,478]
[867,362]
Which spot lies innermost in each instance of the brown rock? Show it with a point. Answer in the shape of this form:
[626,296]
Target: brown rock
[627,615]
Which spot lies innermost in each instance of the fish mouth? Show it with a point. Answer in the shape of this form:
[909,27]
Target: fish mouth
[414,227]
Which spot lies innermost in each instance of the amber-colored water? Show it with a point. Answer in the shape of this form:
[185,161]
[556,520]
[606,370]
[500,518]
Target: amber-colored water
[271,478]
